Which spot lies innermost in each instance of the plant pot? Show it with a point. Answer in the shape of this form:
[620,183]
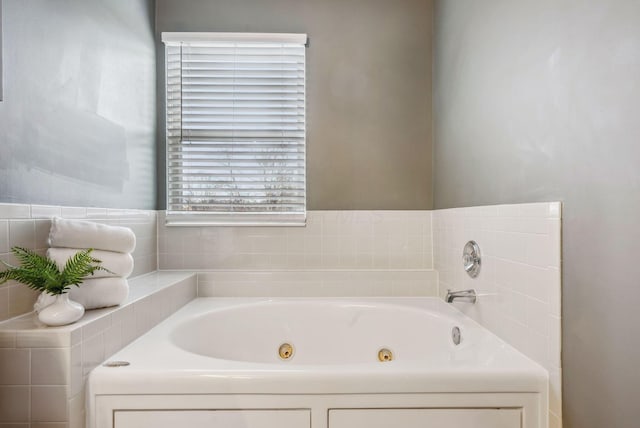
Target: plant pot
[61,312]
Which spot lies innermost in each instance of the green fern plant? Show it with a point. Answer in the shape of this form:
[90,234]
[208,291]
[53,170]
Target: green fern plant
[42,274]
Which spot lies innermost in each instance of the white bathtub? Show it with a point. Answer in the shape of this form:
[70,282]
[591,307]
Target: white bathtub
[217,362]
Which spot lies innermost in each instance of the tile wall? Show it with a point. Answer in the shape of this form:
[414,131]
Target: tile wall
[318,283]
[339,253]
[28,226]
[519,282]
[331,240]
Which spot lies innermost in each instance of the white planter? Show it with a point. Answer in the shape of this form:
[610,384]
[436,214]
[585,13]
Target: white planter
[62,312]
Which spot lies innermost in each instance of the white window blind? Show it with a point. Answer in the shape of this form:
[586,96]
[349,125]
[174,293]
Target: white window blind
[235,128]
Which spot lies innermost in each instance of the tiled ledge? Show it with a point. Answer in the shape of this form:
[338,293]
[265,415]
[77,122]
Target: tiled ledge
[43,369]
[23,329]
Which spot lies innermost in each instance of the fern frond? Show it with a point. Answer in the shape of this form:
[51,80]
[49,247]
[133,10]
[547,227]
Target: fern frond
[36,271]
[41,273]
[29,259]
[78,267]
[25,276]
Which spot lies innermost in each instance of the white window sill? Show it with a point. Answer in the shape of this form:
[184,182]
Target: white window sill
[176,219]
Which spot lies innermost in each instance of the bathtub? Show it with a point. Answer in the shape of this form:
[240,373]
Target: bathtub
[330,363]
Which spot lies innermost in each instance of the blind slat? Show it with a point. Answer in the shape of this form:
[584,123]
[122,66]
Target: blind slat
[236,187]
[235,157]
[237,176]
[222,204]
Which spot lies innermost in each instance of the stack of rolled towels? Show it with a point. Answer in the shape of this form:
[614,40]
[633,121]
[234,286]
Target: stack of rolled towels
[112,245]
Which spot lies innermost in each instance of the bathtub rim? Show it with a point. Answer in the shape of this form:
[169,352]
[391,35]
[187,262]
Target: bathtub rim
[176,371]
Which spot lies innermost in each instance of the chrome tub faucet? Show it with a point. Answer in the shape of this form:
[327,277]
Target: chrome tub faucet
[463,295]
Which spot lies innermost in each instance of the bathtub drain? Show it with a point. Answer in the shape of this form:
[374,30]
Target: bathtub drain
[456,336]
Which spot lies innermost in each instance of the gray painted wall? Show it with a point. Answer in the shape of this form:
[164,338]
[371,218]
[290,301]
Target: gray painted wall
[369,91]
[537,101]
[77,122]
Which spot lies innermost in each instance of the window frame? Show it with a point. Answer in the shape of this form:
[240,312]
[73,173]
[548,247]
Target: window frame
[235,218]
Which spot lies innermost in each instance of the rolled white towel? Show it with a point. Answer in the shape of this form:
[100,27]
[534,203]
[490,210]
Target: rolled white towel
[120,264]
[86,234]
[92,294]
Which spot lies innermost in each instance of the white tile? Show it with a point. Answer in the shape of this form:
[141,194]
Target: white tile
[507,272]
[75,337]
[295,244]
[508,224]
[125,315]
[113,339]
[93,212]
[555,236]
[96,326]
[312,244]
[555,392]
[21,299]
[206,289]
[555,342]
[76,375]
[47,425]
[170,261]
[540,209]
[73,212]
[510,246]
[538,250]
[331,222]
[9,211]
[15,366]
[48,404]
[42,339]
[509,210]
[414,288]
[115,212]
[314,223]
[92,353]
[229,289]
[4,236]
[555,293]
[45,211]
[538,225]
[314,260]
[42,228]
[143,315]
[516,334]
[77,411]
[22,233]
[537,314]
[14,404]
[338,289]
[4,307]
[537,282]
[7,338]
[50,366]
[554,210]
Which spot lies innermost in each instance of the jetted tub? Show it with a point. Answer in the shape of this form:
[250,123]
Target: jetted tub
[336,363]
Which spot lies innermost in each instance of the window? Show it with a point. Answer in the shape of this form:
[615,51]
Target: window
[235,128]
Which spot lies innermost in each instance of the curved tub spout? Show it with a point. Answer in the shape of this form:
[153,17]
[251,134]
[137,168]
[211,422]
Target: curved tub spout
[464,295]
